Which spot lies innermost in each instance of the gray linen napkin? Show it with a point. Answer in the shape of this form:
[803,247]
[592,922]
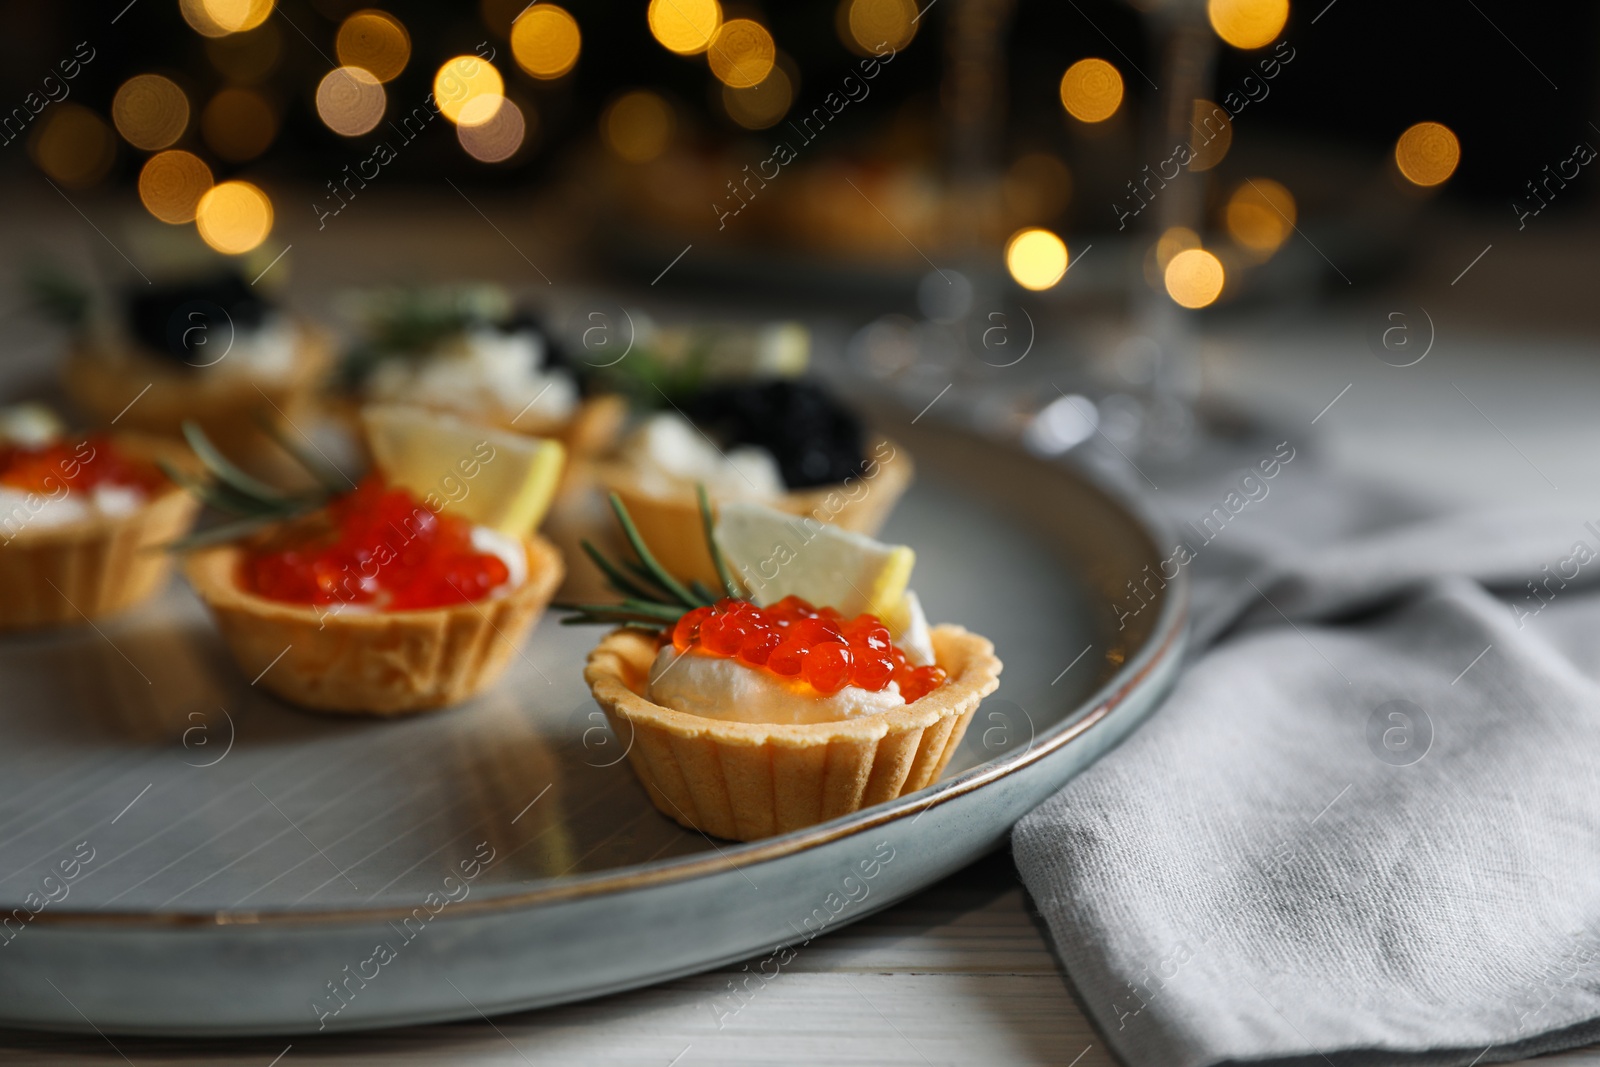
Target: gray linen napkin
[1365,828]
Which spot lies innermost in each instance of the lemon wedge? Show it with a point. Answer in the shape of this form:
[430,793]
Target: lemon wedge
[778,555]
[489,477]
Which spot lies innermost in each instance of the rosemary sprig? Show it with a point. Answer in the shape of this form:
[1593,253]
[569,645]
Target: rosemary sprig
[225,470]
[249,503]
[658,573]
[327,475]
[614,577]
[642,573]
[728,582]
[652,598]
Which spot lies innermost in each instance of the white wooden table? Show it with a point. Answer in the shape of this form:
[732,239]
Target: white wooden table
[963,973]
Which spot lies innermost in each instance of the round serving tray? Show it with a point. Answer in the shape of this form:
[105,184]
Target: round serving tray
[182,854]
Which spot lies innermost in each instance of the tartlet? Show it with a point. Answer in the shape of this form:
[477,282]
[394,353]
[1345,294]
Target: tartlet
[407,591]
[470,351]
[106,380]
[785,443]
[380,663]
[745,781]
[208,347]
[670,520]
[99,565]
[781,714]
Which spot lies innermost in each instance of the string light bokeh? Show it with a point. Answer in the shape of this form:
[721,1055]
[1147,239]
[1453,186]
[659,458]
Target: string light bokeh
[256,91]
[1091,90]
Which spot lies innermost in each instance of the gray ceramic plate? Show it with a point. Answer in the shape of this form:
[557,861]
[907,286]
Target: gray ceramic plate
[181,854]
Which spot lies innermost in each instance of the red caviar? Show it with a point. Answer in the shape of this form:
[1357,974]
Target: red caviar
[376,545]
[83,465]
[792,639]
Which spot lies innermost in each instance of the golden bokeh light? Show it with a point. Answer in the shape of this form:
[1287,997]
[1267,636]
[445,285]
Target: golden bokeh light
[171,184]
[1091,90]
[462,80]
[1261,214]
[238,124]
[545,41]
[1036,258]
[1176,239]
[686,27]
[1037,187]
[376,42]
[237,16]
[1194,278]
[637,126]
[498,138]
[1248,23]
[1427,153]
[217,18]
[870,27]
[150,111]
[1210,134]
[74,146]
[234,217]
[246,57]
[350,101]
[762,105]
[742,53]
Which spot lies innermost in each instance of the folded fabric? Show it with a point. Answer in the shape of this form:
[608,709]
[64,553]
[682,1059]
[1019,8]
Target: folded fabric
[1365,827]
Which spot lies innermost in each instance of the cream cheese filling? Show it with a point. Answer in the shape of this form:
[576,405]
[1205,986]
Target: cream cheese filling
[509,550]
[667,455]
[267,351]
[70,506]
[719,687]
[483,370]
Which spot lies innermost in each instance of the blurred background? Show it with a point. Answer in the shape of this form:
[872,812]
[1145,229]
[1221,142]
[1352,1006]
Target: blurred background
[940,191]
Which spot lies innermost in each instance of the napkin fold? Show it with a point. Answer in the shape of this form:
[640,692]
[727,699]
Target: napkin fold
[1365,827]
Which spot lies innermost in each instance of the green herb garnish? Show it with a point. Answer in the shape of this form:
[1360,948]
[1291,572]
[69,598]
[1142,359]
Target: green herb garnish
[249,503]
[652,598]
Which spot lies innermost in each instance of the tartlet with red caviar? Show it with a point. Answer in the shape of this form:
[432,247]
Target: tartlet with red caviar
[748,715]
[82,522]
[386,598]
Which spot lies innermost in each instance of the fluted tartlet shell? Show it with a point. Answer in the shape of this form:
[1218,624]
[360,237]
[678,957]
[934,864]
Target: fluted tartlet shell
[591,429]
[745,781]
[107,381]
[671,524]
[60,575]
[372,663]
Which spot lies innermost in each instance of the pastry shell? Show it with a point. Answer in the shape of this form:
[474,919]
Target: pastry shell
[372,663]
[108,380]
[591,429]
[58,575]
[745,781]
[672,527]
